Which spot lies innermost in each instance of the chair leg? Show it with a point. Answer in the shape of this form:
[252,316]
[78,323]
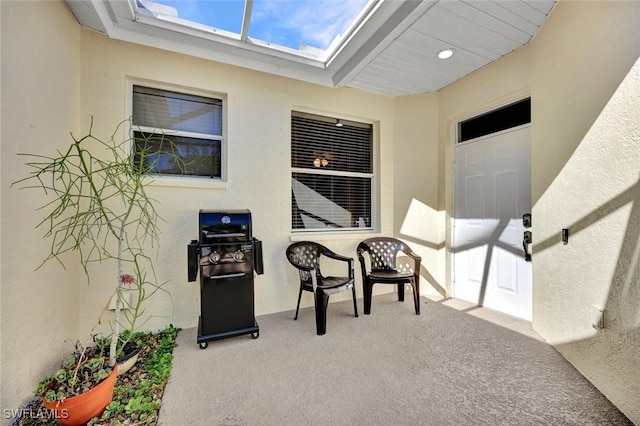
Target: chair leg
[355,305]
[401,292]
[416,295]
[367,290]
[322,300]
[298,305]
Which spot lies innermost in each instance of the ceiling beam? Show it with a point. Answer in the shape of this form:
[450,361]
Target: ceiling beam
[246,19]
[375,37]
[125,9]
[145,31]
[92,14]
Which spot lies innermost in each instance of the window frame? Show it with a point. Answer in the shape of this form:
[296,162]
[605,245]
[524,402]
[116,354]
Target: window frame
[191,181]
[373,176]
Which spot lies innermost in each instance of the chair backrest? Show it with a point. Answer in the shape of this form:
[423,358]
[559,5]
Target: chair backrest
[305,254]
[383,252]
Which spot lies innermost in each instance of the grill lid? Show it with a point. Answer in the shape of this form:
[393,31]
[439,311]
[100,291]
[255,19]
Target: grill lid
[224,226]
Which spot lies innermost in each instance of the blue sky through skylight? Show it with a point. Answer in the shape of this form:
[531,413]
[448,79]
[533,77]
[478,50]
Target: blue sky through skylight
[289,23]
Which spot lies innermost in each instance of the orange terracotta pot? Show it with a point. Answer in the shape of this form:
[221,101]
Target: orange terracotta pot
[78,410]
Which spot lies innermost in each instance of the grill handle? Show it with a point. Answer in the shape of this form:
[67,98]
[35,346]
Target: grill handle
[224,235]
[258,264]
[192,260]
[221,277]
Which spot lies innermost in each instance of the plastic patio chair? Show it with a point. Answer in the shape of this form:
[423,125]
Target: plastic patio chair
[383,254]
[305,256]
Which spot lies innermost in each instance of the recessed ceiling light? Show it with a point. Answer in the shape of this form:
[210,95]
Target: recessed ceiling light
[445,54]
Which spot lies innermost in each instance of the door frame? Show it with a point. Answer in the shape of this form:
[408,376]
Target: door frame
[453,124]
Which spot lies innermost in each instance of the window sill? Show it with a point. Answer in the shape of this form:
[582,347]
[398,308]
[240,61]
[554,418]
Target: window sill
[188,182]
[332,236]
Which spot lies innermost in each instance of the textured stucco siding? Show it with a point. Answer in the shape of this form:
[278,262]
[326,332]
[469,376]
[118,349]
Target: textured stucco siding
[580,70]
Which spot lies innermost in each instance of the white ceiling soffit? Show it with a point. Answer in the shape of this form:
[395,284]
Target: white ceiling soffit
[393,51]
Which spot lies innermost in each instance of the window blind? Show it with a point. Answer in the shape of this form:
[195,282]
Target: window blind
[163,109]
[346,148]
[332,173]
[178,133]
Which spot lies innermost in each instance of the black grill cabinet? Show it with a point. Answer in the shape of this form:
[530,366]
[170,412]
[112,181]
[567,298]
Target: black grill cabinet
[226,256]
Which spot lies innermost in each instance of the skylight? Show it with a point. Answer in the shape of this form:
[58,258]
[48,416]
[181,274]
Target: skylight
[312,28]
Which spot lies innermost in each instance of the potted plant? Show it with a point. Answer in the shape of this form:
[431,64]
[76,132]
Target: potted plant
[82,387]
[91,383]
[99,208]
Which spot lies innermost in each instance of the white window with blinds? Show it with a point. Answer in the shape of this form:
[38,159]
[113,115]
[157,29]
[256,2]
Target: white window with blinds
[193,125]
[331,174]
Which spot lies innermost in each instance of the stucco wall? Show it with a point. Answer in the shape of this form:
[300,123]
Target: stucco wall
[40,105]
[258,137]
[419,220]
[585,173]
[585,170]
[54,77]
[585,177]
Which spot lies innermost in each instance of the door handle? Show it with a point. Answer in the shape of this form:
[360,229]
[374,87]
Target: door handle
[526,240]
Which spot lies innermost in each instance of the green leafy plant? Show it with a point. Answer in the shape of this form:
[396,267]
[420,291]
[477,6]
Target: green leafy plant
[100,209]
[86,367]
[137,396]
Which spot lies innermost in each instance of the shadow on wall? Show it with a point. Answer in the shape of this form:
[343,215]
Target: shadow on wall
[623,300]
[613,352]
[421,227]
[587,94]
[617,347]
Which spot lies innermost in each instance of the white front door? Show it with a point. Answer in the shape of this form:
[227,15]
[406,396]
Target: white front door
[492,191]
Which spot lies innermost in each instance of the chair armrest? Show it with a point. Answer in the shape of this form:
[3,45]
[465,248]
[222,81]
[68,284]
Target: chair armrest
[416,260]
[335,256]
[412,254]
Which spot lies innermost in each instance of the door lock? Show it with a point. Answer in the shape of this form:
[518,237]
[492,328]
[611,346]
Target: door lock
[526,240]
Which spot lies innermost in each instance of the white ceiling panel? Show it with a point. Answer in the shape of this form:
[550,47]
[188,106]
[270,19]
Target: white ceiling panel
[515,13]
[533,11]
[459,32]
[475,13]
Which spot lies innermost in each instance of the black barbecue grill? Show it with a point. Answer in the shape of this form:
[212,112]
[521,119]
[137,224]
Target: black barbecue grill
[226,256]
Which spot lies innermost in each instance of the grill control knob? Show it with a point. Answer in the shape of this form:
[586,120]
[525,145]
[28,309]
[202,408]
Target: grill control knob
[214,257]
[238,256]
